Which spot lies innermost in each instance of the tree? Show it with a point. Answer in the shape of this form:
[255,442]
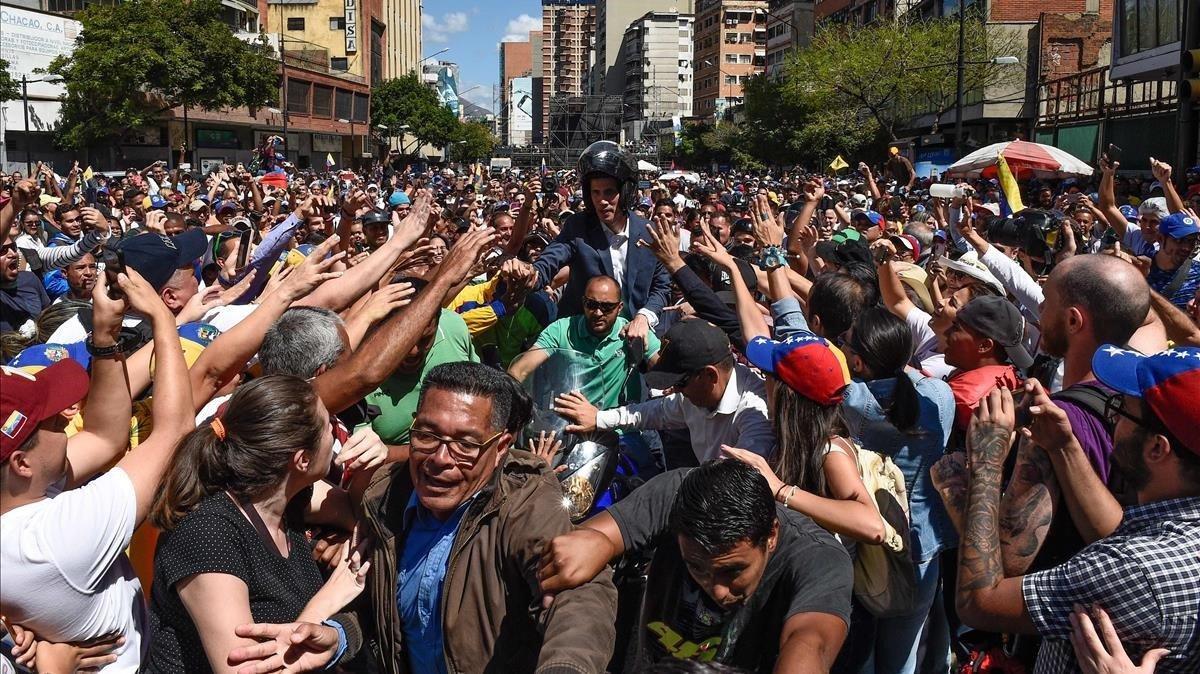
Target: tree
[892,71]
[10,89]
[134,60]
[407,101]
[474,142]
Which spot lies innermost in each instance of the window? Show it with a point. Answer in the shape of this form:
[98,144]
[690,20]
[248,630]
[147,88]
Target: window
[344,101]
[731,58]
[295,23]
[339,63]
[297,96]
[1148,24]
[744,59]
[322,104]
[731,79]
[337,23]
[361,101]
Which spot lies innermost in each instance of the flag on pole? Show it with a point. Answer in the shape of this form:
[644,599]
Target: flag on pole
[1010,192]
[328,161]
[543,166]
[838,164]
[87,173]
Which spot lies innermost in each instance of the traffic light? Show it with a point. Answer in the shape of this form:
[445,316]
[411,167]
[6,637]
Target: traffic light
[1189,63]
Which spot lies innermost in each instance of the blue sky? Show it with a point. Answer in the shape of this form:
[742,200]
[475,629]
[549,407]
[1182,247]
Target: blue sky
[472,29]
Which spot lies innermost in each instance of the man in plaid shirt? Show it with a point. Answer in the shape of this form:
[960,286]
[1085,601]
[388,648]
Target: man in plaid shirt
[1146,575]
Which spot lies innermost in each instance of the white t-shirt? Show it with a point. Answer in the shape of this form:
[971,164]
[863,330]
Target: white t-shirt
[66,576]
[926,353]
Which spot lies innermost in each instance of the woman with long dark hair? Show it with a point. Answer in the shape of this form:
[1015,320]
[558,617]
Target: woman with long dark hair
[233,508]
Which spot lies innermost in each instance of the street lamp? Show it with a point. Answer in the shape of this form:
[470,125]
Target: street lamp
[25,106]
[352,152]
[720,70]
[436,53]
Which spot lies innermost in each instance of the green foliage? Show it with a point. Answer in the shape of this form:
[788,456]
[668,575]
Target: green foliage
[408,101]
[892,71]
[474,142]
[133,60]
[10,89]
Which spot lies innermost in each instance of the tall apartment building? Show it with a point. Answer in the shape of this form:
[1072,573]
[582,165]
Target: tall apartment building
[403,20]
[657,72]
[729,47]
[789,26]
[516,60]
[567,30]
[613,17]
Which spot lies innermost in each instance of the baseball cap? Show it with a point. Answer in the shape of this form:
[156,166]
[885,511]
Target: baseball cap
[969,265]
[376,217]
[874,217]
[45,199]
[804,362]
[38,357]
[1168,382]
[687,347]
[154,202]
[1130,213]
[398,198]
[156,257]
[1178,226]
[27,400]
[227,205]
[843,235]
[858,200]
[998,319]
[1154,205]
[193,338]
[907,241]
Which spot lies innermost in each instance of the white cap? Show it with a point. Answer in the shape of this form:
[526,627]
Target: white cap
[970,265]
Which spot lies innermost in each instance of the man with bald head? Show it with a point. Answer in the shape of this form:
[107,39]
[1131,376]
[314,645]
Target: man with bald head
[595,343]
[1064,497]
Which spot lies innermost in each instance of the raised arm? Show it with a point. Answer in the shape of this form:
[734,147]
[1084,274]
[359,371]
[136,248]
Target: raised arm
[382,351]
[1162,173]
[1108,198]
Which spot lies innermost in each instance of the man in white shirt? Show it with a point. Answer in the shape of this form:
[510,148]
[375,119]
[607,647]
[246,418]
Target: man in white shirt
[62,533]
[718,400]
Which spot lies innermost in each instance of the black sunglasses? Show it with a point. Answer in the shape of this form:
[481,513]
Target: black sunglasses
[604,307]
[1115,407]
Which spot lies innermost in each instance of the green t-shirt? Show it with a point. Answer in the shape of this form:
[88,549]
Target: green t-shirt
[397,396]
[509,335]
[606,361]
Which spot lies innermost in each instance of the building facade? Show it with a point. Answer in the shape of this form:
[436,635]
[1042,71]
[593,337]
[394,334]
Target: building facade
[516,60]
[567,30]
[789,26]
[657,72]
[403,21]
[729,47]
[613,18]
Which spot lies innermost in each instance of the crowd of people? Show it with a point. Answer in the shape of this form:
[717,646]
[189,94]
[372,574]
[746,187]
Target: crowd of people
[277,420]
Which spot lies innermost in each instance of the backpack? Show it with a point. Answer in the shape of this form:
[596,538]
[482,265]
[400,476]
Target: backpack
[885,581]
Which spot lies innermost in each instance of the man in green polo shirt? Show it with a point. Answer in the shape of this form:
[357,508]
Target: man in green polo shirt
[595,340]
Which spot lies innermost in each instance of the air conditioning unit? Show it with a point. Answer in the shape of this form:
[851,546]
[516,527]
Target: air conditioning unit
[731,22]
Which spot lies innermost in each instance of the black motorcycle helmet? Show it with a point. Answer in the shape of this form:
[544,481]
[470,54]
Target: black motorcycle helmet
[606,158]
[376,217]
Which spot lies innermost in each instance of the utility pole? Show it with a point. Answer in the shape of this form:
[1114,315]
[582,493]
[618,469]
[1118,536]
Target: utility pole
[958,87]
[1187,134]
[25,108]
[283,102]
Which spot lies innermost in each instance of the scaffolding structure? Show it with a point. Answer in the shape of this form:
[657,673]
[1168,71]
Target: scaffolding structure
[579,121]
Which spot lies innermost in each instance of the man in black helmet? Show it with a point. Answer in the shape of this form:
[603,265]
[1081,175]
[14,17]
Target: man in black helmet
[604,239]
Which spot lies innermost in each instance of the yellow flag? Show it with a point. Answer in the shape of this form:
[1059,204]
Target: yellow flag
[838,164]
[1008,183]
[87,173]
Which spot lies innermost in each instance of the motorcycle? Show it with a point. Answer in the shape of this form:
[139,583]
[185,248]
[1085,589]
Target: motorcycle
[599,468]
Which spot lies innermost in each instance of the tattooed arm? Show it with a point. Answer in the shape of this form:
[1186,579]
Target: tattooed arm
[985,599]
[1027,508]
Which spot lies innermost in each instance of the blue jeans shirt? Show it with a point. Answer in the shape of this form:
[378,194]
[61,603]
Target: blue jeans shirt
[864,409]
[423,561]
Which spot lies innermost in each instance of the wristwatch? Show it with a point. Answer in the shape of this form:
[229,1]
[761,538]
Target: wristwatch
[772,258]
[117,350]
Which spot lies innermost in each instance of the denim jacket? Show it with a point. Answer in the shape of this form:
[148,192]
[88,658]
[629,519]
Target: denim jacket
[864,409]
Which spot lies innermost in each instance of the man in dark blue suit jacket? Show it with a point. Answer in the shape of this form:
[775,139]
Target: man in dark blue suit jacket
[608,239]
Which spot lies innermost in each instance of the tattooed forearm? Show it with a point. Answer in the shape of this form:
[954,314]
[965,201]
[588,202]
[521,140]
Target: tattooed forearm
[1027,508]
[979,564]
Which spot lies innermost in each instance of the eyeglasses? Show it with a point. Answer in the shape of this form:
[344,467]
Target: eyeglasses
[597,305]
[1115,406]
[461,451]
[8,247]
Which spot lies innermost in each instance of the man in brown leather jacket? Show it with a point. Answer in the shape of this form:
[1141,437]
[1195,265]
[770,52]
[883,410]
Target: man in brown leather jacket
[459,530]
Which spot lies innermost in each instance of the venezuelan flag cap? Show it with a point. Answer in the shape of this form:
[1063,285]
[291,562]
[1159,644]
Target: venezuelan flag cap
[27,400]
[804,362]
[1168,382]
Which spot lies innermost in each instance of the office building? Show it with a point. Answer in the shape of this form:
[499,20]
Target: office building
[516,60]
[657,72]
[567,30]
[789,26]
[403,21]
[613,18]
[729,47]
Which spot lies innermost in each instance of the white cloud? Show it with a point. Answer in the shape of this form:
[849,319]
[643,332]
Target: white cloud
[518,28]
[439,30]
[481,96]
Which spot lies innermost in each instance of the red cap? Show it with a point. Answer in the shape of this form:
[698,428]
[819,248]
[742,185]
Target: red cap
[27,400]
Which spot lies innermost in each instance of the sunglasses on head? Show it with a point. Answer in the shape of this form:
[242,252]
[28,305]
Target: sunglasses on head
[594,305]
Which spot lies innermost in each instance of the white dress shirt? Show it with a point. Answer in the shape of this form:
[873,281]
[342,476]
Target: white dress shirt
[618,251]
[739,420]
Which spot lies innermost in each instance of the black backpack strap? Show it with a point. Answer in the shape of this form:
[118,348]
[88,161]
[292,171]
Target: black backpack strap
[1090,397]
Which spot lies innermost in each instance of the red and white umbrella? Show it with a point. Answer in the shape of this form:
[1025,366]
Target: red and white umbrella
[1026,160]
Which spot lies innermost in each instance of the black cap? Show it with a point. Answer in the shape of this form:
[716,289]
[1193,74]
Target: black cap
[998,319]
[376,217]
[688,347]
[156,257]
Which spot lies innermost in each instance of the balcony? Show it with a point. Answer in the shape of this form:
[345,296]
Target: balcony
[1090,95]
